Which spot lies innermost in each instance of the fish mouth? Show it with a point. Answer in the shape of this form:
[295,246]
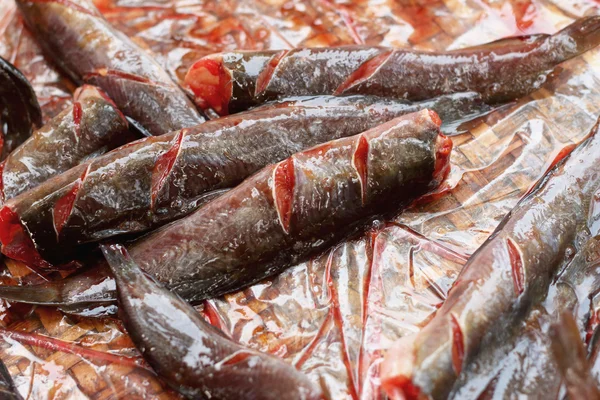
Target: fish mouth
[443,150]
[211,82]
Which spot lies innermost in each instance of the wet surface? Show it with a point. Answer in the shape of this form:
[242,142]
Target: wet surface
[332,317]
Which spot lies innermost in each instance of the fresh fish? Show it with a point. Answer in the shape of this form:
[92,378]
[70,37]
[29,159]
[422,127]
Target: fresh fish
[84,45]
[500,72]
[91,126]
[281,215]
[518,360]
[190,355]
[501,281]
[156,180]
[20,112]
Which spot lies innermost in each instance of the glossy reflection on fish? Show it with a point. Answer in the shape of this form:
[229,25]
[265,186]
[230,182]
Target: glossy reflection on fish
[192,356]
[500,71]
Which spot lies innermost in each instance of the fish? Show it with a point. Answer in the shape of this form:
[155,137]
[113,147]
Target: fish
[91,126]
[190,355]
[519,361]
[281,215]
[508,274]
[20,111]
[89,50]
[501,71]
[156,180]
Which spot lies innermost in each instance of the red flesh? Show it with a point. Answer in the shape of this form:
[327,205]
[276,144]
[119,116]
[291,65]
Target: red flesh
[64,206]
[164,166]
[401,388]
[516,266]
[283,191]
[363,72]
[265,75]
[16,242]
[237,358]
[211,83]
[458,345]
[77,112]
[360,161]
[442,156]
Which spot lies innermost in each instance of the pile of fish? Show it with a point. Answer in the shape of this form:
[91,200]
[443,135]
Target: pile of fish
[159,207]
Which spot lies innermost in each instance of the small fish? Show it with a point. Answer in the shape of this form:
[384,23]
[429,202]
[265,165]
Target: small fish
[508,274]
[20,112]
[192,356]
[86,47]
[281,215]
[156,180]
[500,71]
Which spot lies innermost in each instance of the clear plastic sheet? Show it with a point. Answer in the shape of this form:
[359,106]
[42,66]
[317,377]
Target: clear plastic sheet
[334,316]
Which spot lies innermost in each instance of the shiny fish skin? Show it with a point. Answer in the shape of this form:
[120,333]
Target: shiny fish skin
[520,358]
[91,126]
[296,208]
[501,71]
[192,356]
[238,238]
[156,180]
[508,274]
[78,39]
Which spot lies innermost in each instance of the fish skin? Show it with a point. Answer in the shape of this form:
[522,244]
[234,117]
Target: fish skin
[520,356]
[192,356]
[181,267]
[20,109]
[507,274]
[85,46]
[118,194]
[500,71]
[61,144]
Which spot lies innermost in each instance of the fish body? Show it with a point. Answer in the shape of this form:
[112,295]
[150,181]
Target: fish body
[148,183]
[84,45]
[190,355]
[503,279]
[500,71]
[281,215]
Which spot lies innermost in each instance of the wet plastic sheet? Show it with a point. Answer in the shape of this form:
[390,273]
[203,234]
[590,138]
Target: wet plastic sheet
[332,317]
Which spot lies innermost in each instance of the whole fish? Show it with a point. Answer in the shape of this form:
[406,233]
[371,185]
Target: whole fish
[156,180]
[518,361]
[84,45]
[509,273]
[93,125]
[20,112]
[192,356]
[281,215]
[500,71]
